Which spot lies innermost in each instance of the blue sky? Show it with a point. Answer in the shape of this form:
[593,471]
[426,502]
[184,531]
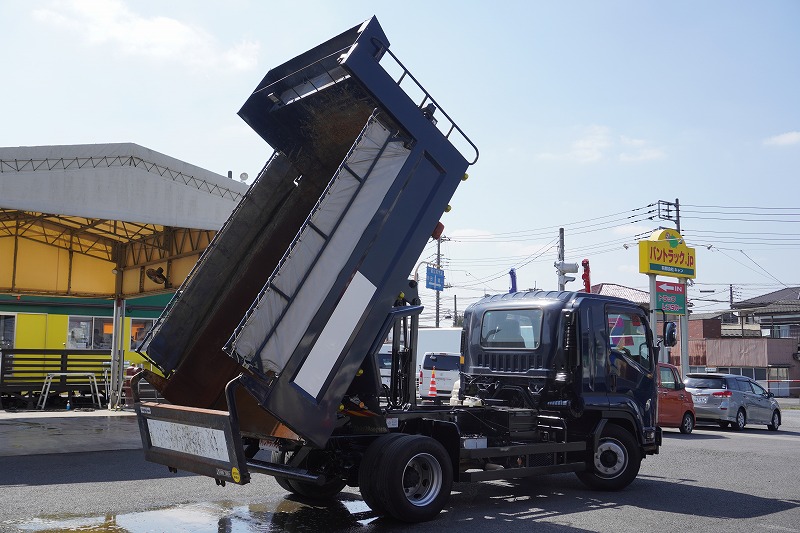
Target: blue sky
[585,114]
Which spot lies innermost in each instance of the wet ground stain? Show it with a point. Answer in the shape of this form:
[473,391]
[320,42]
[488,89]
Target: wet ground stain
[290,515]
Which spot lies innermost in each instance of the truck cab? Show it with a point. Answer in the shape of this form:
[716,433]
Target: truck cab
[587,356]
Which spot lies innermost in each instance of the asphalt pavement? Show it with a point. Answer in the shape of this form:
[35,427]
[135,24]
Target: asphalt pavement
[90,430]
[79,430]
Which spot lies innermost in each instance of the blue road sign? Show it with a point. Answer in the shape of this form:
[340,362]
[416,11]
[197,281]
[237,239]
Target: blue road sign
[434,278]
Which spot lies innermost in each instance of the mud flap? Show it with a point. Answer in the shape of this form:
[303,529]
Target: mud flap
[203,441]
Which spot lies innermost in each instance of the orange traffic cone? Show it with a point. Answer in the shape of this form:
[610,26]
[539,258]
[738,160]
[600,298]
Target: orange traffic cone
[432,390]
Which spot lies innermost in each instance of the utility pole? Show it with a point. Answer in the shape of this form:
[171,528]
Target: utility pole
[562,267]
[438,265]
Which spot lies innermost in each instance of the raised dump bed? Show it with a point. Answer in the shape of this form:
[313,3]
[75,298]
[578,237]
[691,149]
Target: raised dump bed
[298,285]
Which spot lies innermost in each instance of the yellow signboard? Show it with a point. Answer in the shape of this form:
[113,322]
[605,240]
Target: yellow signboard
[665,253]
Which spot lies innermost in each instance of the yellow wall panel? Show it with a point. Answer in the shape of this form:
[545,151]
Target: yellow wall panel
[31,330]
[130,281]
[6,261]
[56,332]
[91,275]
[181,268]
[38,267]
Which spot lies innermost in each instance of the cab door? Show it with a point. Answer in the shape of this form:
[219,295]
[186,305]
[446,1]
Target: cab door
[671,397]
[630,367]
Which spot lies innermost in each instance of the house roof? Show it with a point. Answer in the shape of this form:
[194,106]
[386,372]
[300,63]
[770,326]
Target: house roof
[612,289]
[707,316]
[782,307]
[787,294]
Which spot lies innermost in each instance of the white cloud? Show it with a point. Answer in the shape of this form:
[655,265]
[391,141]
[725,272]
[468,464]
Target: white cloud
[643,154]
[784,139]
[596,143]
[590,147]
[112,23]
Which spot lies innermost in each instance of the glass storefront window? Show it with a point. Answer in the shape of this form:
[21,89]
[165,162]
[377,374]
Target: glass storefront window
[7,328]
[139,328]
[89,333]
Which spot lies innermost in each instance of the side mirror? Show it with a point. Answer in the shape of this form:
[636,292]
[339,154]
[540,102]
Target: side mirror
[770,394]
[670,334]
[679,386]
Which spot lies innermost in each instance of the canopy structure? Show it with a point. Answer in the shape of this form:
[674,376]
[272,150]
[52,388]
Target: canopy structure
[92,220]
[108,221]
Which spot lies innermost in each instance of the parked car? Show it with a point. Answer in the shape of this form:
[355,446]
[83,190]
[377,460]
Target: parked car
[731,400]
[675,403]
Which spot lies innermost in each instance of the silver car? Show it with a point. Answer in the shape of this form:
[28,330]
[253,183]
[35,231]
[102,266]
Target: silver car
[731,400]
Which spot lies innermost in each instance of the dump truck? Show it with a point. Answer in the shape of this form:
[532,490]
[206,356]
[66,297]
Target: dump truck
[267,351]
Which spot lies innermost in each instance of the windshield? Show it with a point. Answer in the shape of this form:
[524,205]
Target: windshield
[441,361]
[512,328]
[695,382]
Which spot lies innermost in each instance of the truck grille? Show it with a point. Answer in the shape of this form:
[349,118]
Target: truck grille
[510,362]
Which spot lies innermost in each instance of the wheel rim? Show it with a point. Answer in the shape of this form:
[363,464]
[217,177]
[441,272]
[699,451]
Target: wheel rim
[776,420]
[740,419]
[610,459]
[687,423]
[422,479]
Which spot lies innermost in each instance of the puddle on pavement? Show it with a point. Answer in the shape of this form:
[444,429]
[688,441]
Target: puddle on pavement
[344,514]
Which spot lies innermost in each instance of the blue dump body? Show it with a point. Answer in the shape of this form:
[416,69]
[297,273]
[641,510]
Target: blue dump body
[296,289]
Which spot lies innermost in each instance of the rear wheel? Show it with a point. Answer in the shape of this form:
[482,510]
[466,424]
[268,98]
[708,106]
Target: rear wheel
[687,423]
[366,471]
[776,421]
[741,420]
[615,462]
[413,478]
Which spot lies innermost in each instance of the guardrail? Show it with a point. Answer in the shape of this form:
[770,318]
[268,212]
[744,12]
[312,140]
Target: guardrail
[783,388]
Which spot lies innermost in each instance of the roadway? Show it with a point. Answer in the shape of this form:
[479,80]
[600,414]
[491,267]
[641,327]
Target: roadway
[712,480]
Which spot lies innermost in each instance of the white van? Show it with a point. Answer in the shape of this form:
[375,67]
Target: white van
[446,367]
[441,340]
[429,340]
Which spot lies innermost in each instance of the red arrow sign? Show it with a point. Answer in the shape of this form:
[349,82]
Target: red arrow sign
[670,287]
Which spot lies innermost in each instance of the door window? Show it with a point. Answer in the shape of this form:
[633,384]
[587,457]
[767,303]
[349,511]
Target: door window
[7,326]
[627,334]
[668,378]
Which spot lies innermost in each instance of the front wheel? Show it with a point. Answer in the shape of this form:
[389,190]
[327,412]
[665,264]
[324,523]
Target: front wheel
[687,423]
[776,421]
[615,462]
[413,478]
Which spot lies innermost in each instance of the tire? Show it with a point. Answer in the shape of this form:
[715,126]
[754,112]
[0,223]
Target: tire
[616,461]
[305,489]
[326,491]
[413,478]
[776,421]
[366,470]
[741,420]
[280,458]
[687,423]
[723,424]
